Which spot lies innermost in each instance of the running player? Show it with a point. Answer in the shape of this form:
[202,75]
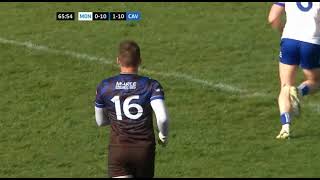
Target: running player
[126,102]
[300,46]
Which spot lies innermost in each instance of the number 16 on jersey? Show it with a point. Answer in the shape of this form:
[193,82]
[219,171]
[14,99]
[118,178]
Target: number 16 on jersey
[126,107]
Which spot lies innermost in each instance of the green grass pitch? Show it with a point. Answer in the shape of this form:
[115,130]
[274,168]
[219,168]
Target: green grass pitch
[196,51]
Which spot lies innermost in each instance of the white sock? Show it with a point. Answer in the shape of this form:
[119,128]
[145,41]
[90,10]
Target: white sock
[286,127]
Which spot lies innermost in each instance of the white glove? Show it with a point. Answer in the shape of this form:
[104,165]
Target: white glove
[163,140]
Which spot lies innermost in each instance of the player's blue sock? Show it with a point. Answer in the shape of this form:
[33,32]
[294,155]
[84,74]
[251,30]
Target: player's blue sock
[285,118]
[303,89]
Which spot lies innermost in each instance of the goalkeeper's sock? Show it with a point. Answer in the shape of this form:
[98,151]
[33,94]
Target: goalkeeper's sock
[285,118]
[303,89]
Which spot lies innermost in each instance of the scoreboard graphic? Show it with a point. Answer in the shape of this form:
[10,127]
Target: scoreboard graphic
[99,16]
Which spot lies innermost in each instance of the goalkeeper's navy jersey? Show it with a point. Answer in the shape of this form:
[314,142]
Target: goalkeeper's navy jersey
[126,99]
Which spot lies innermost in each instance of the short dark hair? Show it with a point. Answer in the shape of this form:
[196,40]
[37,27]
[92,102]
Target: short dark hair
[129,53]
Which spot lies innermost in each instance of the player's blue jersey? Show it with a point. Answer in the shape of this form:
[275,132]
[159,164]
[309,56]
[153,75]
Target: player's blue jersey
[126,99]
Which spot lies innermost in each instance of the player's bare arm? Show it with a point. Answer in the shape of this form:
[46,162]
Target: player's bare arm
[274,17]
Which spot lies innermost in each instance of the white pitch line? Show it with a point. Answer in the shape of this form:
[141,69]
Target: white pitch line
[87,57]
[77,55]
[219,86]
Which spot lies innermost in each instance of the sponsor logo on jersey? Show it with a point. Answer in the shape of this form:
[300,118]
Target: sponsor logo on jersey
[126,85]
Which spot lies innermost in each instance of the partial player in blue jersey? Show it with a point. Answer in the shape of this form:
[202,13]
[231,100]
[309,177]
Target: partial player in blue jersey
[127,102]
[300,46]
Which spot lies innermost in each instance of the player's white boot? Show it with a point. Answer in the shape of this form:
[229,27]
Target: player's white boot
[284,133]
[295,100]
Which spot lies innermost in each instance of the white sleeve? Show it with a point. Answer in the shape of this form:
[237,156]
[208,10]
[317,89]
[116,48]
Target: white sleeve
[101,118]
[160,111]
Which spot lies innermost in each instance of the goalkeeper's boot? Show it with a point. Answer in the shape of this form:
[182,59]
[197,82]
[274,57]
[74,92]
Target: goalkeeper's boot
[295,100]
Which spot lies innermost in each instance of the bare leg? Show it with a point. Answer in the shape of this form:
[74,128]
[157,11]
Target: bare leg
[311,83]
[287,79]
[287,75]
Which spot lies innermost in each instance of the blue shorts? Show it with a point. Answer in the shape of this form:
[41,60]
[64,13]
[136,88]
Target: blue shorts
[294,52]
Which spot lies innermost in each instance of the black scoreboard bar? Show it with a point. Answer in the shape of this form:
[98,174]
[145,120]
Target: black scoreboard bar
[99,16]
